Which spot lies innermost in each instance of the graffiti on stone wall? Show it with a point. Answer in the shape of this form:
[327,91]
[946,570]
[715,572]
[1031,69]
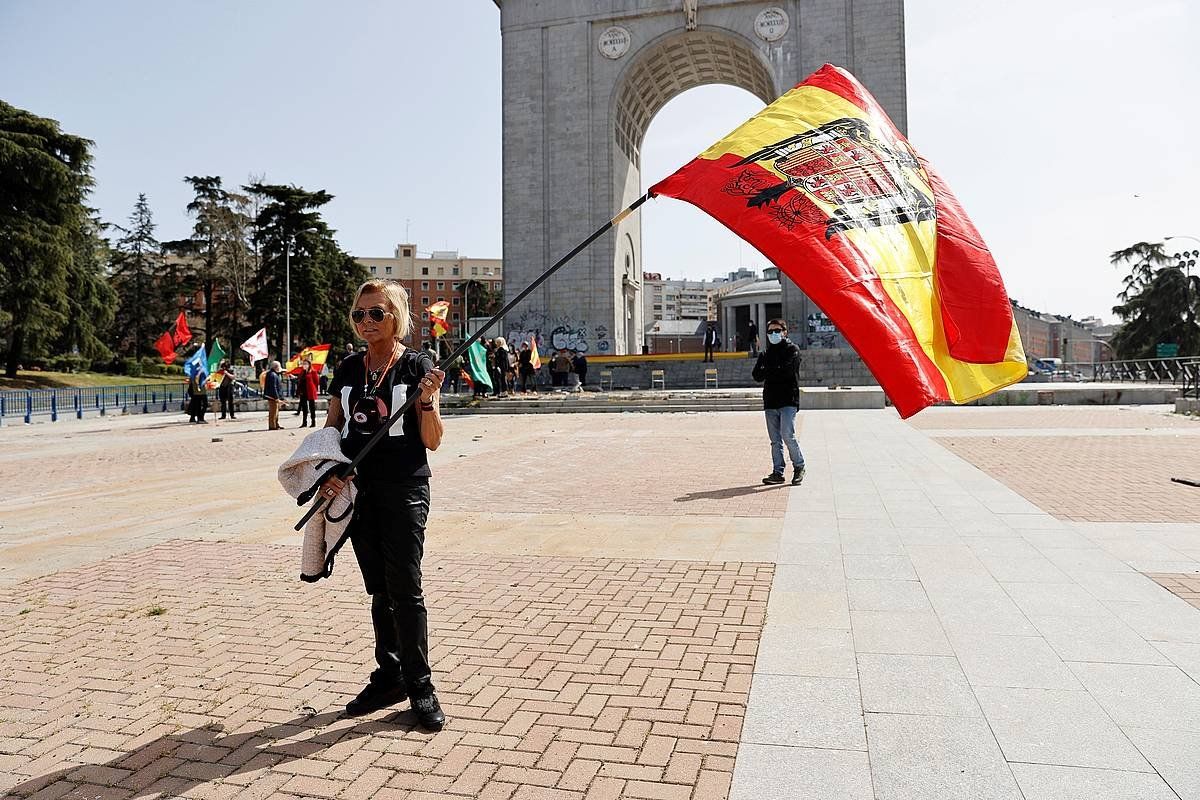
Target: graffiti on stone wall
[820,331]
[602,343]
[566,338]
[565,333]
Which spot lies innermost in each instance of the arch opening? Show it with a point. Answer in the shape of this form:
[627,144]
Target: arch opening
[673,66]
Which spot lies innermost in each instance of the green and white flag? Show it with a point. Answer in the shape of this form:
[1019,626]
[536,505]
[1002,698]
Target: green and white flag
[477,363]
[215,356]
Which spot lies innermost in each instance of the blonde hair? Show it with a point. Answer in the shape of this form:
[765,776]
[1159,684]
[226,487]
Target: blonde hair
[394,295]
[501,342]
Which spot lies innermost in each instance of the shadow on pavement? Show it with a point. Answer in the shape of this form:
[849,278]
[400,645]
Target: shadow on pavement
[190,758]
[726,494]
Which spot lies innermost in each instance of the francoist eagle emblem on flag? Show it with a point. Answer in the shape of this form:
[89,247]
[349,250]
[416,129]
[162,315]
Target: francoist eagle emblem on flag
[844,177]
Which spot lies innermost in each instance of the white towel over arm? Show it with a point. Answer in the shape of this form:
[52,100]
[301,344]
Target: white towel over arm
[327,530]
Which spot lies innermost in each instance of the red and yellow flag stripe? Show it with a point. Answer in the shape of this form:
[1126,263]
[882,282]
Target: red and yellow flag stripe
[824,185]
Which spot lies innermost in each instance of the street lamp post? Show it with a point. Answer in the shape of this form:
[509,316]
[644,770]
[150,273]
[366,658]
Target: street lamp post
[287,261]
[287,279]
[1186,260]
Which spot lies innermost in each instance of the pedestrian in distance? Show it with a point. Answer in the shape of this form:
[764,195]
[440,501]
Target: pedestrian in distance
[580,366]
[454,374]
[273,391]
[752,337]
[711,341]
[561,367]
[502,367]
[525,368]
[392,505]
[309,386]
[778,368]
[490,362]
[225,389]
[197,399]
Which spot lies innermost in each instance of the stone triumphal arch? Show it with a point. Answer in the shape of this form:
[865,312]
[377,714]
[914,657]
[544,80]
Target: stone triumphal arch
[582,81]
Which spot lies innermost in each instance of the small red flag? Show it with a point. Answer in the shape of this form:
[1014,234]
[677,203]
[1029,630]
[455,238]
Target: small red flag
[183,333]
[166,348]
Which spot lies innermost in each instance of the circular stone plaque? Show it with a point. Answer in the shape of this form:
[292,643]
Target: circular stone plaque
[614,42]
[771,24]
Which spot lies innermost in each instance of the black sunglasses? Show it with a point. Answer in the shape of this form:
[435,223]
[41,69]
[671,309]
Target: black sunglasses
[376,313]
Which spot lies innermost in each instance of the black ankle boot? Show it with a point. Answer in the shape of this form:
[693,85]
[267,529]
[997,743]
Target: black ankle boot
[429,712]
[374,697]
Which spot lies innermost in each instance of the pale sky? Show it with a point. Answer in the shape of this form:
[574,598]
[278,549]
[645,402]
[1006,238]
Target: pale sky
[1067,128]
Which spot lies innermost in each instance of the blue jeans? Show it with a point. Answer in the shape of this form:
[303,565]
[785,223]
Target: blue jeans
[781,429]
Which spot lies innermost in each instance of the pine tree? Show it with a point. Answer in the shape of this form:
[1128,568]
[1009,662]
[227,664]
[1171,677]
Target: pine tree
[91,300]
[45,176]
[1160,303]
[145,289]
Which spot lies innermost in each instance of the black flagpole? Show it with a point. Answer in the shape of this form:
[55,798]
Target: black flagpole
[460,350]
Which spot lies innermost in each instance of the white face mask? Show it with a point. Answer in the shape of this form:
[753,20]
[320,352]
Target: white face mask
[774,337]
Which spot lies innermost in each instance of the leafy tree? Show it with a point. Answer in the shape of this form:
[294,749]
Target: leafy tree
[145,287]
[1160,303]
[481,299]
[323,277]
[217,259]
[45,176]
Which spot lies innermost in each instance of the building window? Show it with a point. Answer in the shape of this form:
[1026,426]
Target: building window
[474,270]
[441,271]
[454,301]
[424,270]
[407,252]
[372,269]
[388,270]
[454,270]
[487,270]
[424,301]
[456,316]
[441,285]
[425,332]
[425,286]
[440,299]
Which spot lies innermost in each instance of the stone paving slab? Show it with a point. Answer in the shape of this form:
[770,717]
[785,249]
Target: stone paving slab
[931,630]
[205,668]
[1001,651]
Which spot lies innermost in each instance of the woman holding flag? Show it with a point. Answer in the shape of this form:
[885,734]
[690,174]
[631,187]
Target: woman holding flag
[392,504]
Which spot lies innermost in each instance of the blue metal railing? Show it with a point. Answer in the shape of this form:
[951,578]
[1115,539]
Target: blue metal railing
[25,404]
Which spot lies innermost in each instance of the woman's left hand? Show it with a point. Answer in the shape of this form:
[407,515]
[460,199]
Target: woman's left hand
[431,384]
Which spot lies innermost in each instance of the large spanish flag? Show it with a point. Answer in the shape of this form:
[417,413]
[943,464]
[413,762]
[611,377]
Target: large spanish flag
[824,185]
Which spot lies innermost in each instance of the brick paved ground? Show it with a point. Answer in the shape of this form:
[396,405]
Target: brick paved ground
[1094,478]
[1183,585]
[1117,468]
[643,485]
[999,417]
[563,678]
[680,464]
[672,464]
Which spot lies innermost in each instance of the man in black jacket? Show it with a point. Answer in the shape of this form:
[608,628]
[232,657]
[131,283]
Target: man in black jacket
[778,367]
[711,341]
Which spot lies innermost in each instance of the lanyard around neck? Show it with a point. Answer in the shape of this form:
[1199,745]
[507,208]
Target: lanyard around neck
[367,388]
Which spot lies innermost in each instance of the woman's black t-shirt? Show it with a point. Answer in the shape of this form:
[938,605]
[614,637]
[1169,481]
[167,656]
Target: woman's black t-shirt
[400,455]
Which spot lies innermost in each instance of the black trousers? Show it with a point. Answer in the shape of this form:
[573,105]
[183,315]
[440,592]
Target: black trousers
[309,409]
[708,352]
[226,405]
[388,534]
